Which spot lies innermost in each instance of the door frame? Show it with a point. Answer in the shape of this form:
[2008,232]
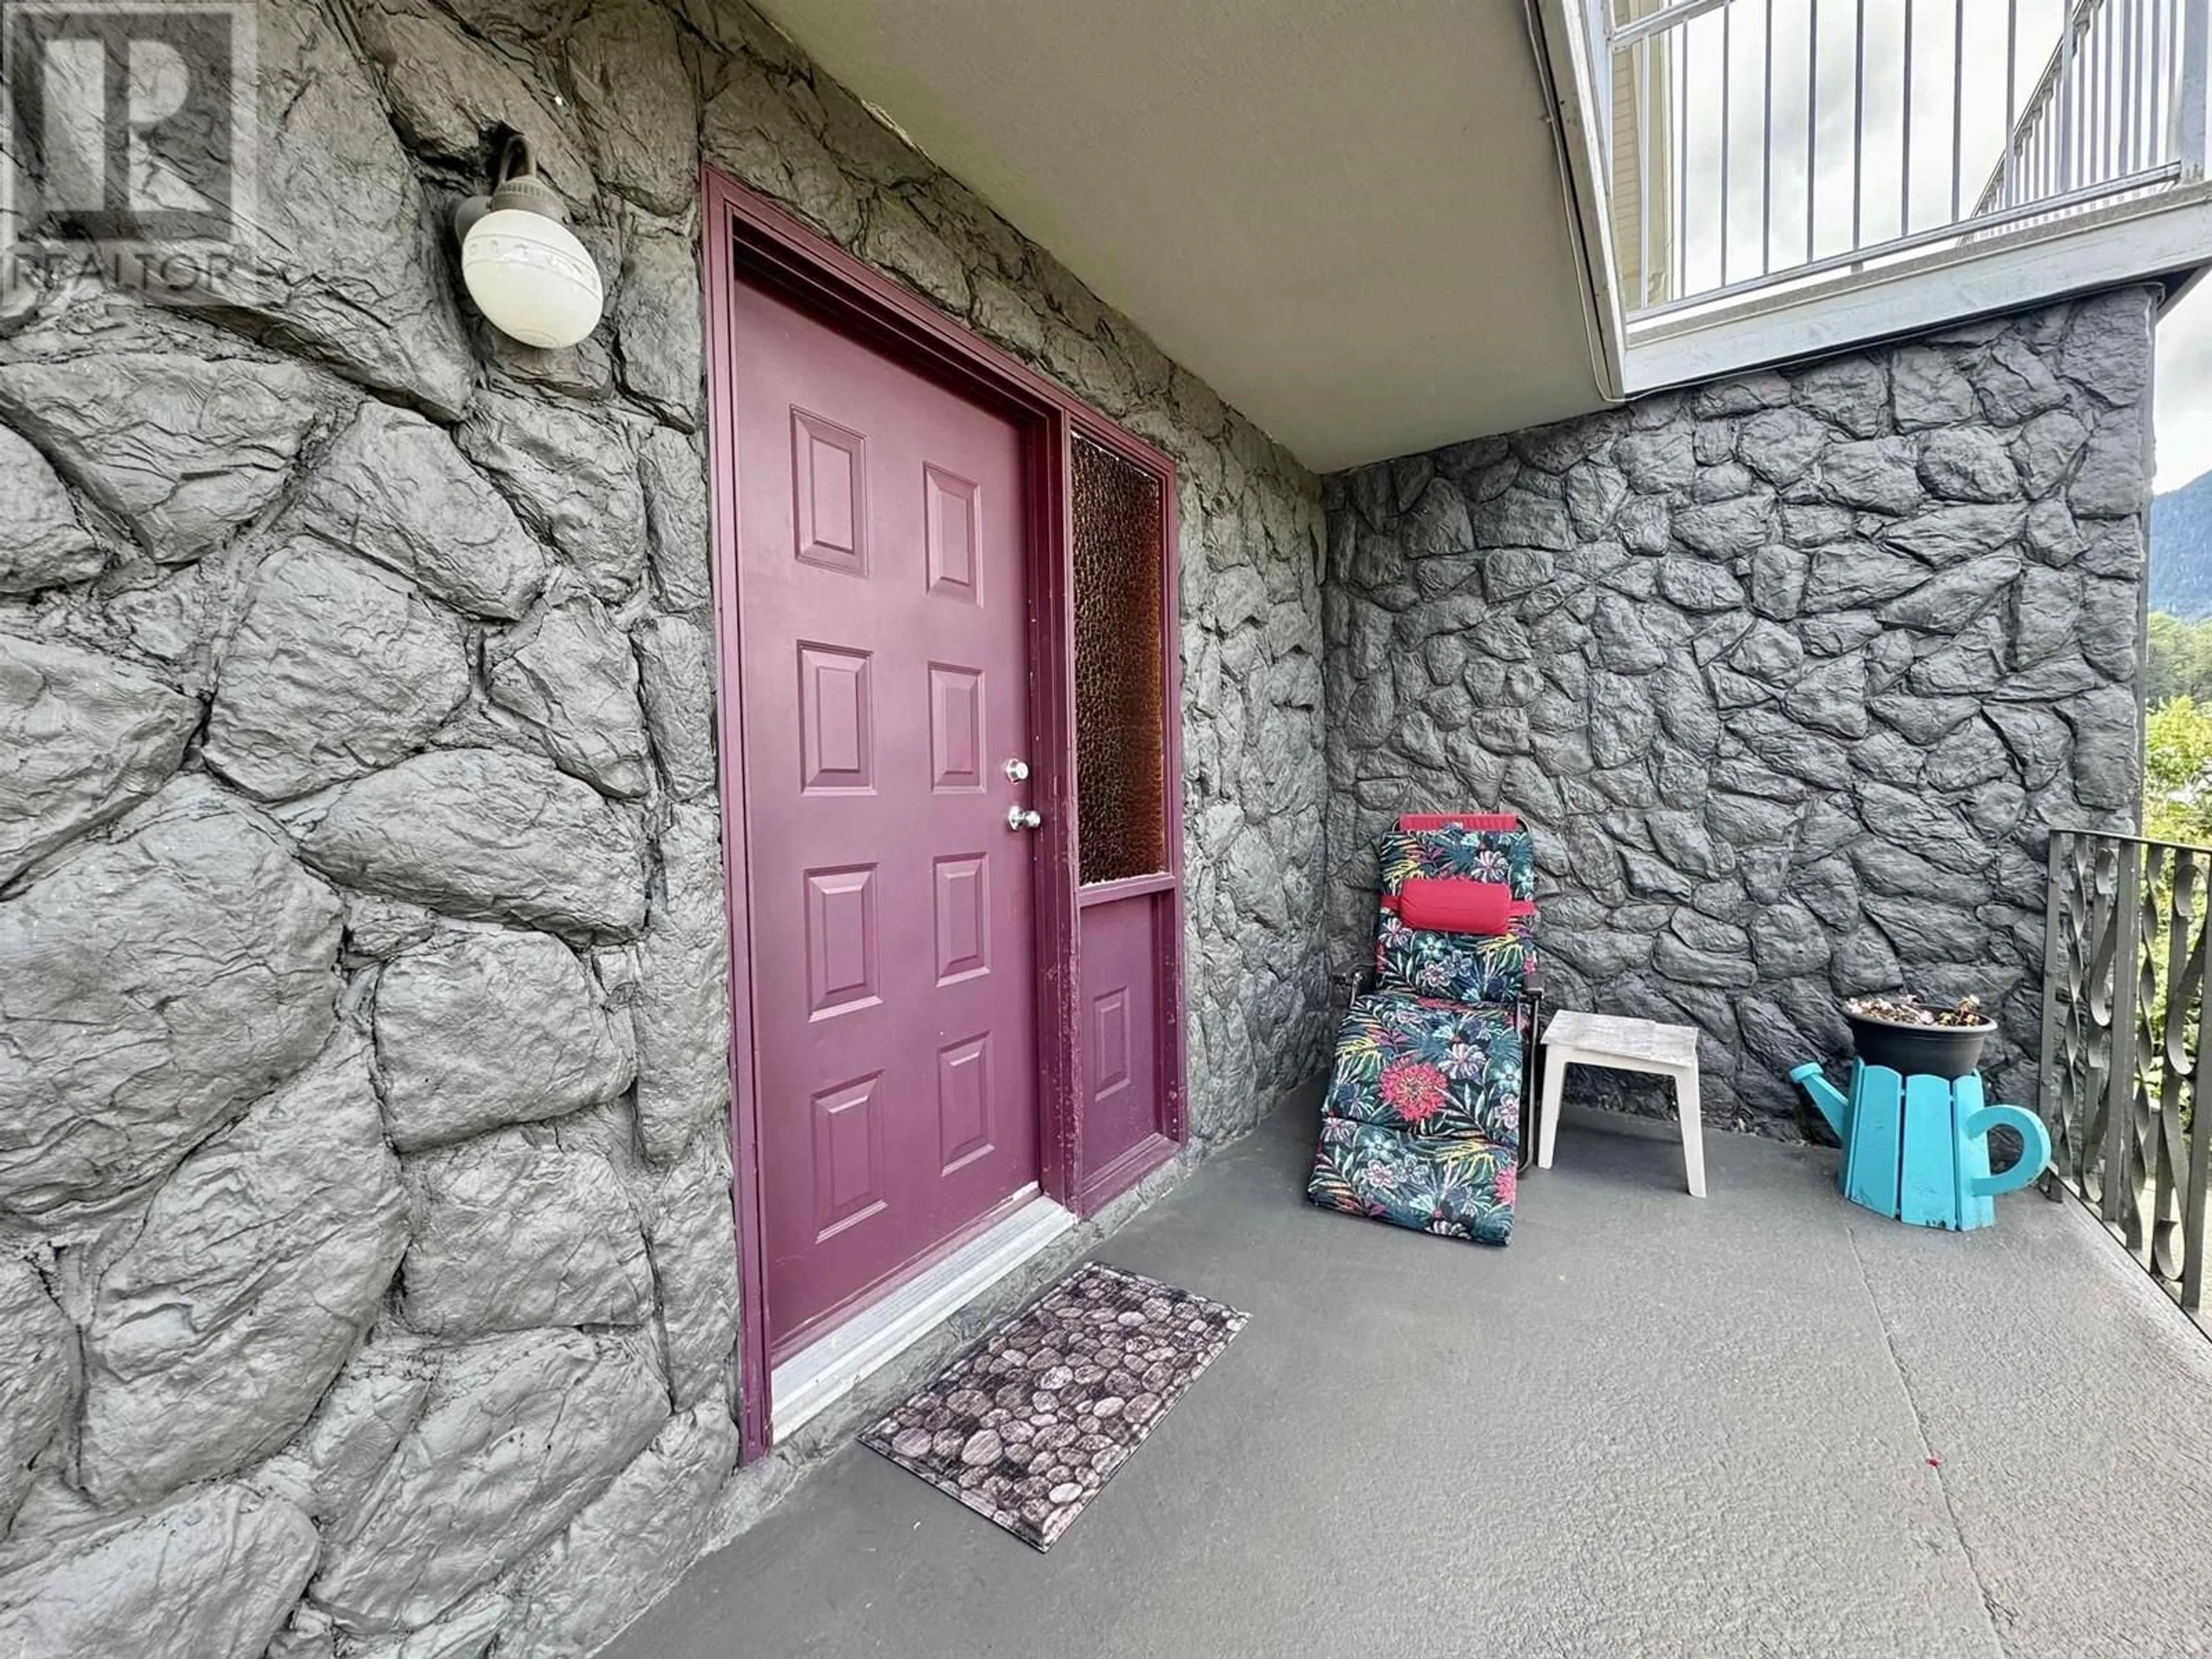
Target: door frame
[745,234]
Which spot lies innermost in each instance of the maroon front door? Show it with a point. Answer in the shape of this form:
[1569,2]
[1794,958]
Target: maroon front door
[885,660]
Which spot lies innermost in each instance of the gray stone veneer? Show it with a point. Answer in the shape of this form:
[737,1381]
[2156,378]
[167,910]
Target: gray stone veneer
[367,1272]
[1789,674]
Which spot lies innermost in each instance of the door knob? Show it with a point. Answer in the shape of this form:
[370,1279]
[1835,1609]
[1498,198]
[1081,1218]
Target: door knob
[1023,818]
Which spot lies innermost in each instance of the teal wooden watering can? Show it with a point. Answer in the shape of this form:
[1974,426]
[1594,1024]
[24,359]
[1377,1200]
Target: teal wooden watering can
[1918,1147]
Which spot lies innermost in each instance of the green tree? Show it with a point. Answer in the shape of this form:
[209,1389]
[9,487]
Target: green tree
[2180,658]
[2177,807]
[2178,772]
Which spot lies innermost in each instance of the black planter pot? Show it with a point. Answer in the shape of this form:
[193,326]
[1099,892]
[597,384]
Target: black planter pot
[1944,1051]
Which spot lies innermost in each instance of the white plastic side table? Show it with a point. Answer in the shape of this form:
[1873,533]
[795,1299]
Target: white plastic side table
[1623,1045]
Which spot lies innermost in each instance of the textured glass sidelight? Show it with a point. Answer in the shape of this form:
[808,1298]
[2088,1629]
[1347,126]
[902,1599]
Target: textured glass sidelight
[1121,762]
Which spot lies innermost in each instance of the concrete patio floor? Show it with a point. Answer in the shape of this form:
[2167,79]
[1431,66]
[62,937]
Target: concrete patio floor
[1652,1425]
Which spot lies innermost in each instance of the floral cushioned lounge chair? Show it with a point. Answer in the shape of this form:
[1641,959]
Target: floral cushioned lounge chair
[1421,1125]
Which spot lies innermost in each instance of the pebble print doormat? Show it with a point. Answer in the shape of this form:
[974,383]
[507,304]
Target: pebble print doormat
[1028,1428]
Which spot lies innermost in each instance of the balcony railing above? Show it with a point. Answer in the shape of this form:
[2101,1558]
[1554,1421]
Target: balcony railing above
[1755,145]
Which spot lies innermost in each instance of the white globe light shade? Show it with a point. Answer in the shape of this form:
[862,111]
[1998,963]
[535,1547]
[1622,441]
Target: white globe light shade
[532,278]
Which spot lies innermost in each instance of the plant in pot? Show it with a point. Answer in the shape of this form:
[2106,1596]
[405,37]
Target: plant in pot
[1897,1029]
[1915,1128]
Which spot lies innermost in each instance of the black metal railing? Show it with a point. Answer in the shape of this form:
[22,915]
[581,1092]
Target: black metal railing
[2125,1043]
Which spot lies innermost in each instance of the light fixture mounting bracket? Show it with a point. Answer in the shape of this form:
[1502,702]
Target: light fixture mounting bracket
[515,183]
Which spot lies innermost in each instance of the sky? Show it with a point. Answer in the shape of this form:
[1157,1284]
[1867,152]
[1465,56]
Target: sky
[2185,389]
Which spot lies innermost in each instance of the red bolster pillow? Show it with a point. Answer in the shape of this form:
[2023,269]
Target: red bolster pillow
[1413,823]
[1454,907]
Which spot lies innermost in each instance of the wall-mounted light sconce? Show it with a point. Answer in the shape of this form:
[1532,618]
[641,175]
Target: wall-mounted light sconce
[525,269]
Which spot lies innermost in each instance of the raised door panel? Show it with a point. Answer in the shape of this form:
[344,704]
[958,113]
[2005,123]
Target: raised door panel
[829,501]
[836,720]
[1120,973]
[956,729]
[841,941]
[849,1155]
[952,510]
[964,1094]
[963,916]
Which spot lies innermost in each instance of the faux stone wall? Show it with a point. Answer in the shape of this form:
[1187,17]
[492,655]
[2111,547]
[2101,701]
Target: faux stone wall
[1790,675]
[367,1272]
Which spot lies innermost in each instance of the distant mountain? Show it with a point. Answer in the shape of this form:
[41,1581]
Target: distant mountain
[2181,550]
